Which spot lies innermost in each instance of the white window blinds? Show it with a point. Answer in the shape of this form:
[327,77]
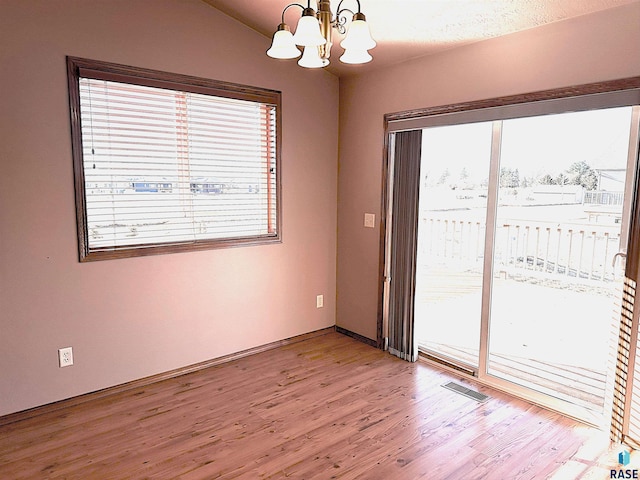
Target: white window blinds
[167,167]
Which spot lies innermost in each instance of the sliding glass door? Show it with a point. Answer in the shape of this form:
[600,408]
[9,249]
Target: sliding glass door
[561,221]
[522,224]
[451,239]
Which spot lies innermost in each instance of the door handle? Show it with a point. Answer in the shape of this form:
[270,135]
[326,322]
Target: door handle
[615,257]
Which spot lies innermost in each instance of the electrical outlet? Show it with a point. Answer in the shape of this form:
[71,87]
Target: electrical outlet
[65,357]
[320,301]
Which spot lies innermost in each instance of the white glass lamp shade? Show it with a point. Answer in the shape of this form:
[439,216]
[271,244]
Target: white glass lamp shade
[354,56]
[283,45]
[311,58]
[308,30]
[358,35]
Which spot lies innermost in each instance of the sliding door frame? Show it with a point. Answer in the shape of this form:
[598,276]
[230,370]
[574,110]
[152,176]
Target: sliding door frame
[489,244]
[616,93]
[632,274]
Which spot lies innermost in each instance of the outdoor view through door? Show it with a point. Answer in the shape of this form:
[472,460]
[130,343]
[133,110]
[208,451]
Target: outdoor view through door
[528,245]
[451,239]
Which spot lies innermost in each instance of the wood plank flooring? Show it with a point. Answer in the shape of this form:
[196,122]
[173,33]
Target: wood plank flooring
[579,385]
[324,408]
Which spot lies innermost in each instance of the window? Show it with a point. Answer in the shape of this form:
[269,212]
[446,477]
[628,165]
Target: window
[166,163]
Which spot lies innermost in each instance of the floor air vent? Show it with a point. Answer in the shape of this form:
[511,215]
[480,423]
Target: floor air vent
[477,396]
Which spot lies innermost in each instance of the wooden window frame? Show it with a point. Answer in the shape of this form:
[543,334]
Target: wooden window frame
[84,68]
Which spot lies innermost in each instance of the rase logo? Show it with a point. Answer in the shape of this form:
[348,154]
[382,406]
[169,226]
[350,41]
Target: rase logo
[624,458]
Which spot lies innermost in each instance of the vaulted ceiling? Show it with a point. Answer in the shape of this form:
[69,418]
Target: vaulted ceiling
[405,29]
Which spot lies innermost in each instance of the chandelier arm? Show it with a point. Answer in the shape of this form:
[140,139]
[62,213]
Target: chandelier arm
[339,10]
[292,5]
[341,20]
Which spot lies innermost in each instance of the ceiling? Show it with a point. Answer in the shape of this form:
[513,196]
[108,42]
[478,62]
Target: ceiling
[406,29]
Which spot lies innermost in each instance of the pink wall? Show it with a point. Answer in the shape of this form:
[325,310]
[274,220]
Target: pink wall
[131,318]
[592,48]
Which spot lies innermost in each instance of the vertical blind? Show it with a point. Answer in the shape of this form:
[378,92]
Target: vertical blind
[404,238]
[166,166]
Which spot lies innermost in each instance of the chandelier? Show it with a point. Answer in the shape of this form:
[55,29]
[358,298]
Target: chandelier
[313,33]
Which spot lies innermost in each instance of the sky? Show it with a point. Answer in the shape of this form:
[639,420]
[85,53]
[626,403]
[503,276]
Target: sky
[534,145]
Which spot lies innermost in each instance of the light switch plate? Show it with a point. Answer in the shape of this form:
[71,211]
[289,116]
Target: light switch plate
[370,220]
